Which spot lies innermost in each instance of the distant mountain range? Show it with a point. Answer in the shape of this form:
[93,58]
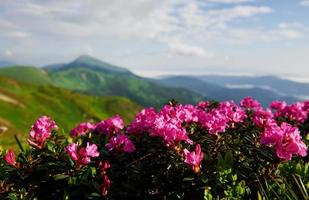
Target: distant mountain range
[228,91]
[272,83]
[92,76]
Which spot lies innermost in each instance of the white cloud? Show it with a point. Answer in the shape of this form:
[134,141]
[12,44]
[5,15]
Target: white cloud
[17,34]
[143,27]
[87,50]
[182,49]
[304,3]
[245,36]
[230,1]
[8,53]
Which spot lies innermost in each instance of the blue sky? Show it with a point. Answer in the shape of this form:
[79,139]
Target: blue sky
[154,37]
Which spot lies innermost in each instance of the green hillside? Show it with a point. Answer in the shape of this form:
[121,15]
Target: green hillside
[22,103]
[135,88]
[93,76]
[26,74]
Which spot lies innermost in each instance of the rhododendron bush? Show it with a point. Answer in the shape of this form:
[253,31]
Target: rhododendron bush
[212,150]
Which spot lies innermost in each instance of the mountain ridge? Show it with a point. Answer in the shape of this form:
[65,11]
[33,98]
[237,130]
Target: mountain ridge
[94,77]
[86,61]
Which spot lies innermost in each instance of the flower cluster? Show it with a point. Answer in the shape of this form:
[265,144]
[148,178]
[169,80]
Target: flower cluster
[83,155]
[297,112]
[82,129]
[41,130]
[121,143]
[185,139]
[285,139]
[110,126]
[218,119]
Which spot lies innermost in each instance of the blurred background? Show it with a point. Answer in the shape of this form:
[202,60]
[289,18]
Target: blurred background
[78,60]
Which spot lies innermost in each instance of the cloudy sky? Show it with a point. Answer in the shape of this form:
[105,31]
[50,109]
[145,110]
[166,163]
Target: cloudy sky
[153,37]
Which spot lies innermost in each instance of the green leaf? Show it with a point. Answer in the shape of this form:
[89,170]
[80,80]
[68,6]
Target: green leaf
[60,176]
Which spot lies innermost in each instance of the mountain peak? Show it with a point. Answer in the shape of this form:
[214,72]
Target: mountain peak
[85,57]
[92,63]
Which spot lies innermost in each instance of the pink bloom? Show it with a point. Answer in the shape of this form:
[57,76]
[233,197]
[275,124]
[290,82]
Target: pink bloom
[72,151]
[9,157]
[285,139]
[263,118]
[167,124]
[213,121]
[110,126]
[84,154]
[194,158]
[297,112]
[41,131]
[290,143]
[106,181]
[250,103]
[89,151]
[306,106]
[203,105]
[232,111]
[272,134]
[170,130]
[82,129]
[278,105]
[104,166]
[143,121]
[105,185]
[120,142]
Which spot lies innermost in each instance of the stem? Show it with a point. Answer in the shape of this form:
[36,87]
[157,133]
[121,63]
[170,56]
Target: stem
[19,144]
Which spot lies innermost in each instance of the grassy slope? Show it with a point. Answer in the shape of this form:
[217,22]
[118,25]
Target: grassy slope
[26,74]
[102,83]
[21,104]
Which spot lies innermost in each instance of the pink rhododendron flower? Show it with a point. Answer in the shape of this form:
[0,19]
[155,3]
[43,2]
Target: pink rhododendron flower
[213,121]
[285,139]
[105,185]
[72,151]
[120,142]
[232,111]
[82,129]
[41,131]
[84,154]
[306,106]
[104,166]
[110,126]
[278,105]
[297,112]
[203,105]
[263,118]
[143,121]
[250,103]
[183,113]
[106,181]
[272,134]
[9,157]
[290,143]
[170,131]
[194,158]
